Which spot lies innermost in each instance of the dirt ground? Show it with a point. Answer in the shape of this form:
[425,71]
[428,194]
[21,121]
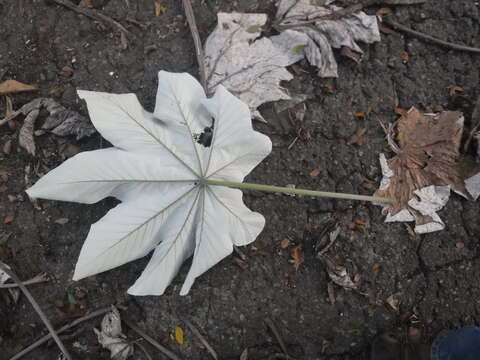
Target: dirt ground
[433,277]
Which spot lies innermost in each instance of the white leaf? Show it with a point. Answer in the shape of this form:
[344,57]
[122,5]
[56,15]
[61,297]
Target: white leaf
[323,35]
[248,66]
[157,168]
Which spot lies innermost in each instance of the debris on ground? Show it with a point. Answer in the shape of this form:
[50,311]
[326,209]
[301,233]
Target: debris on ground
[428,164]
[317,21]
[61,121]
[338,273]
[248,66]
[111,337]
[14,293]
[297,256]
[14,86]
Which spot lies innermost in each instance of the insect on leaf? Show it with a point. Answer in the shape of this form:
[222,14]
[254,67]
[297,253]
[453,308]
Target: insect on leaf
[158,169]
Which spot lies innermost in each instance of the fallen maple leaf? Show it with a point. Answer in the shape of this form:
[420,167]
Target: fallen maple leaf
[428,164]
[14,86]
[164,167]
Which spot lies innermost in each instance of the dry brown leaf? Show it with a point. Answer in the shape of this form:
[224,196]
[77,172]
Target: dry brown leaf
[452,90]
[368,185]
[359,138]
[9,219]
[376,266]
[338,274]
[427,165]
[285,243]
[459,245]
[393,302]
[297,256]
[14,86]
[401,111]
[360,114]
[159,9]
[7,147]
[315,172]
[85,3]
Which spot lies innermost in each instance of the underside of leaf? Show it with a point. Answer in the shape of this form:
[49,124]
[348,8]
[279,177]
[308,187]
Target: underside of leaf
[157,169]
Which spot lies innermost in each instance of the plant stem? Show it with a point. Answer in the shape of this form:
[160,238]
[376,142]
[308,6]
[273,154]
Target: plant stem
[285,190]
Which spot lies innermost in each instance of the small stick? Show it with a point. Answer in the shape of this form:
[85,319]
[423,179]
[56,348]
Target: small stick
[432,39]
[37,279]
[197,42]
[62,329]
[37,308]
[147,355]
[152,341]
[275,332]
[92,14]
[195,331]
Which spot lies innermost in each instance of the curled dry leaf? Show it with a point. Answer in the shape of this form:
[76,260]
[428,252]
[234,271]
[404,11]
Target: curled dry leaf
[393,302]
[160,171]
[14,86]
[312,19]
[428,164]
[338,273]
[61,122]
[297,256]
[248,66]
[110,336]
[14,293]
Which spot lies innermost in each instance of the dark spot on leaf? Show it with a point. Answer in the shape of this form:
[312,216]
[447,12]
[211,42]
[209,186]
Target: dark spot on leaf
[205,138]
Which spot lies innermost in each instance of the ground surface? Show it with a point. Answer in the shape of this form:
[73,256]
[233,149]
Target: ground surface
[429,275]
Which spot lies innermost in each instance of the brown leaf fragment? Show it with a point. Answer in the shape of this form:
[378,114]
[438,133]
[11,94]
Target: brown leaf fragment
[244,355]
[9,219]
[285,243]
[85,3]
[376,266]
[315,172]
[367,184]
[7,147]
[297,256]
[14,86]
[393,302]
[359,138]
[355,56]
[459,245]
[428,164]
[159,9]
[338,274]
[452,90]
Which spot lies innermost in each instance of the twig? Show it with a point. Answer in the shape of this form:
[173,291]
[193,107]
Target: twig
[152,341]
[195,331]
[62,329]
[95,15]
[37,279]
[432,39]
[37,308]
[475,115]
[147,355]
[197,42]
[275,332]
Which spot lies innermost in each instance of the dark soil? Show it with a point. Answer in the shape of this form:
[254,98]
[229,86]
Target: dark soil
[435,280]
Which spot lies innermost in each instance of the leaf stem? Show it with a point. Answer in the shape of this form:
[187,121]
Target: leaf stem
[269,188]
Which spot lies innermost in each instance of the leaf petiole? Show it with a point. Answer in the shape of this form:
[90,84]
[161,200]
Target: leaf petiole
[269,188]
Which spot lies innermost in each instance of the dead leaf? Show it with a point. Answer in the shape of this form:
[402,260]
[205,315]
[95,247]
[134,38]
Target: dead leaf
[393,302]
[357,278]
[297,256]
[62,221]
[376,266]
[9,219]
[427,166]
[7,147]
[67,71]
[61,122]
[360,114]
[338,274]
[244,355]
[452,90]
[368,185]
[359,138]
[179,336]
[249,66]
[285,243]
[14,293]
[405,56]
[111,337]
[85,3]
[400,111]
[14,86]
[159,9]
[327,32]
[459,245]
[315,172]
